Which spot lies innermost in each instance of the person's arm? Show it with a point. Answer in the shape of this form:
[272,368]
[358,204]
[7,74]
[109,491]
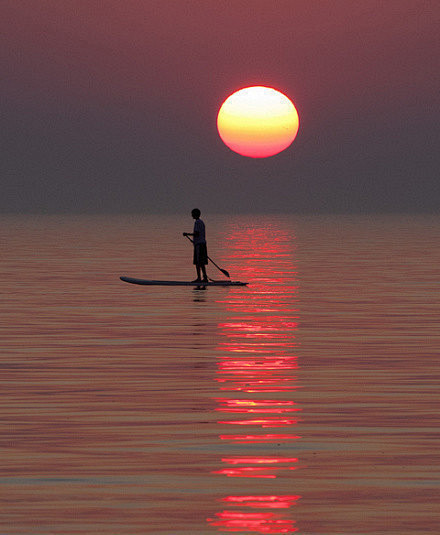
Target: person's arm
[195,233]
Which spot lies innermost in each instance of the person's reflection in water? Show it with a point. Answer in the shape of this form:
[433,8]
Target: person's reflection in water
[199,295]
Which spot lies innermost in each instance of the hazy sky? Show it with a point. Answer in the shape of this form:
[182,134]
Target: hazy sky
[111,105]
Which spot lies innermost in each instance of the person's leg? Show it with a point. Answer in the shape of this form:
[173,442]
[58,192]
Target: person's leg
[197,261]
[203,259]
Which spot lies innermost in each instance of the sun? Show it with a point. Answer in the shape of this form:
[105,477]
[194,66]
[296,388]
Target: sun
[257,121]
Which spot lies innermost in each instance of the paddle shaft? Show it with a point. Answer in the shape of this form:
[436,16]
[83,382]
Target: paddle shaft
[212,261]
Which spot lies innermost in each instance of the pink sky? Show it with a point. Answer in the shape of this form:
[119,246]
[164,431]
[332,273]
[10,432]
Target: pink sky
[363,75]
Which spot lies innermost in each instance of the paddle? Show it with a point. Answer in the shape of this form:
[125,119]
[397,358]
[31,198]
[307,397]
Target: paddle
[212,261]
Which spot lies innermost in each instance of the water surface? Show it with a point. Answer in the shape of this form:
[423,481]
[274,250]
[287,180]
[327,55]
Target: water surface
[304,403]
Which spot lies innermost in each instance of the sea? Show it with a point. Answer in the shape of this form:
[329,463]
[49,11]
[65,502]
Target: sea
[306,402]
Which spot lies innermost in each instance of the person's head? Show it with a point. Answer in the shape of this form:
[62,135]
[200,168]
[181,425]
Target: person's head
[196,213]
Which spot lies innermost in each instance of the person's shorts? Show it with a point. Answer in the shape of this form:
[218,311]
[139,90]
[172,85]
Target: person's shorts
[200,254]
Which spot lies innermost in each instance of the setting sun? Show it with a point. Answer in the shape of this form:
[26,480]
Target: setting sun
[257,122]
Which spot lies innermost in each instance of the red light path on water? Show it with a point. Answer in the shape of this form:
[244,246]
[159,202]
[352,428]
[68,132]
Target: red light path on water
[261,422]
[270,522]
[257,365]
[271,502]
[265,523]
[263,467]
[251,406]
[259,460]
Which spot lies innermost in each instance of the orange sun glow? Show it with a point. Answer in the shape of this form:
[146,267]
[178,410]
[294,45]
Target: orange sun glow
[257,122]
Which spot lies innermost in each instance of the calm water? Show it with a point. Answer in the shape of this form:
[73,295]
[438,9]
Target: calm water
[307,402]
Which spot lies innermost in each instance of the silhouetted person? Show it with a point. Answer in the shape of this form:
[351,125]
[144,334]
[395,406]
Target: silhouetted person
[200,250]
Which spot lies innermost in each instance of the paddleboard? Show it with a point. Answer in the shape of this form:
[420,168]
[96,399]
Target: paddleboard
[146,282]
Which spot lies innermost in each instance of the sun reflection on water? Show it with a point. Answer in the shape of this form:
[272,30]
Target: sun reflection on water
[269,522]
[257,366]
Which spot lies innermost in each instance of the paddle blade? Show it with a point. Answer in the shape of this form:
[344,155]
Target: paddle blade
[225,273]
